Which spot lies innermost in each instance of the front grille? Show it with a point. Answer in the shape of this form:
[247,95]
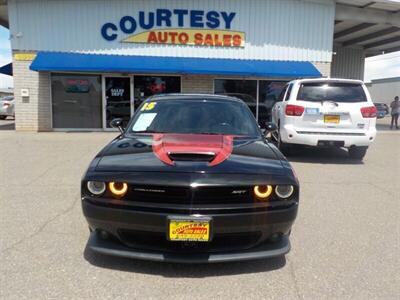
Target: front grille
[201,199]
[332,133]
[158,241]
[193,196]
[173,195]
[221,195]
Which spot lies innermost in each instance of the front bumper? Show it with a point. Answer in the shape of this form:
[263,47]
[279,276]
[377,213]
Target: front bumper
[266,250]
[6,111]
[142,235]
[292,135]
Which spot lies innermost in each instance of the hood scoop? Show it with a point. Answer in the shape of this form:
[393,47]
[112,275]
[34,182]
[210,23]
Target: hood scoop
[213,149]
[176,156]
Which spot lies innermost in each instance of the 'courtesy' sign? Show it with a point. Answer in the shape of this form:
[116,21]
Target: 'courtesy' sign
[176,27]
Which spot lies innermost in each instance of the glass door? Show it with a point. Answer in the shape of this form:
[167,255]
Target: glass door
[117,99]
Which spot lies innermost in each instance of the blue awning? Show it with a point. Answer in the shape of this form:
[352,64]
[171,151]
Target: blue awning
[75,62]
[6,69]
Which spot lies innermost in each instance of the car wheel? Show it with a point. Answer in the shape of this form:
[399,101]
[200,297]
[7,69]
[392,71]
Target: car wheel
[3,117]
[357,152]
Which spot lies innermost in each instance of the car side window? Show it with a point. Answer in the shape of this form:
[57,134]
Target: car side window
[282,94]
[289,90]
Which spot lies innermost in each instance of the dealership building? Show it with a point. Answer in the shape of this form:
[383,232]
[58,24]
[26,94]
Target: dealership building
[79,64]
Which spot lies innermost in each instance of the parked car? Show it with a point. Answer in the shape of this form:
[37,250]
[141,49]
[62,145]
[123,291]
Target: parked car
[326,112]
[7,107]
[382,110]
[190,179]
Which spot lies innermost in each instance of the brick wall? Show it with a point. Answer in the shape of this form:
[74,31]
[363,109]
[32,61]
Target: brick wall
[324,68]
[197,84]
[32,113]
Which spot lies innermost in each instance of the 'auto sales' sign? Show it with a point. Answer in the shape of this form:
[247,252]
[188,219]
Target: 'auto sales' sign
[177,27]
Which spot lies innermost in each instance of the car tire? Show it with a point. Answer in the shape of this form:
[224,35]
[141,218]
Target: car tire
[357,152]
[3,117]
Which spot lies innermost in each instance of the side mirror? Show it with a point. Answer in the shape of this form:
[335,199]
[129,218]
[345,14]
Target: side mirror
[117,123]
[270,127]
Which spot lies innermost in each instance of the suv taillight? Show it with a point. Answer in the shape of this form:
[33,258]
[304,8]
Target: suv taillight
[368,112]
[294,110]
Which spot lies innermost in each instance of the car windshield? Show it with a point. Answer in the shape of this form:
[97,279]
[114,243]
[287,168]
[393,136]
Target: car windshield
[7,98]
[331,91]
[195,117]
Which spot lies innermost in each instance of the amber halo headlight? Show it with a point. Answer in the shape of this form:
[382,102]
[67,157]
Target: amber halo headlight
[262,191]
[284,191]
[118,189]
[96,187]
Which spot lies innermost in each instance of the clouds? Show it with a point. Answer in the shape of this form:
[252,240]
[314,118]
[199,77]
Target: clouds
[6,81]
[5,58]
[382,66]
[5,46]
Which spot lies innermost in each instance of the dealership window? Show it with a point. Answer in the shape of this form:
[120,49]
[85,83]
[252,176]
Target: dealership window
[146,86]
[242,89]
[268,95]
[76,101]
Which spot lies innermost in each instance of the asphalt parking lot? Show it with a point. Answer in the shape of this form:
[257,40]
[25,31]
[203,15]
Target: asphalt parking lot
[345,243]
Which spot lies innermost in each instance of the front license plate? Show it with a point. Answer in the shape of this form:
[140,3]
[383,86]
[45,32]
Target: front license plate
[189,230]
[332,119]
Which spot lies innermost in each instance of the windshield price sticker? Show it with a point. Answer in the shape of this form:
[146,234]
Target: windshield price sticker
[148,106]
[144,121]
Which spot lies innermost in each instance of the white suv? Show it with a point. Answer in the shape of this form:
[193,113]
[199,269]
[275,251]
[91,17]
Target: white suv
[325,112]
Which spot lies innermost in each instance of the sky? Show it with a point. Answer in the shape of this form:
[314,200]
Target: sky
[5,57]
[382,66]
[376,67]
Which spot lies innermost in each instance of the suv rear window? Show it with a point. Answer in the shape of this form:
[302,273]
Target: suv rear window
[331,91]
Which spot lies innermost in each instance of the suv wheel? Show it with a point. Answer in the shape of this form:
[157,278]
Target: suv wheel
[357,152]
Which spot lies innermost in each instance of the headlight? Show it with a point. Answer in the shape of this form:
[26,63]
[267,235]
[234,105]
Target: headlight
[96,187]
[262,191]
[118,189]
[284,191]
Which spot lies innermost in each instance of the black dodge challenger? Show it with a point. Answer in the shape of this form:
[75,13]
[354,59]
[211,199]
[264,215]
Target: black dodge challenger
[191,178]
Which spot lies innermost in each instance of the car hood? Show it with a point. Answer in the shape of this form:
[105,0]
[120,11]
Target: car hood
[189,153]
